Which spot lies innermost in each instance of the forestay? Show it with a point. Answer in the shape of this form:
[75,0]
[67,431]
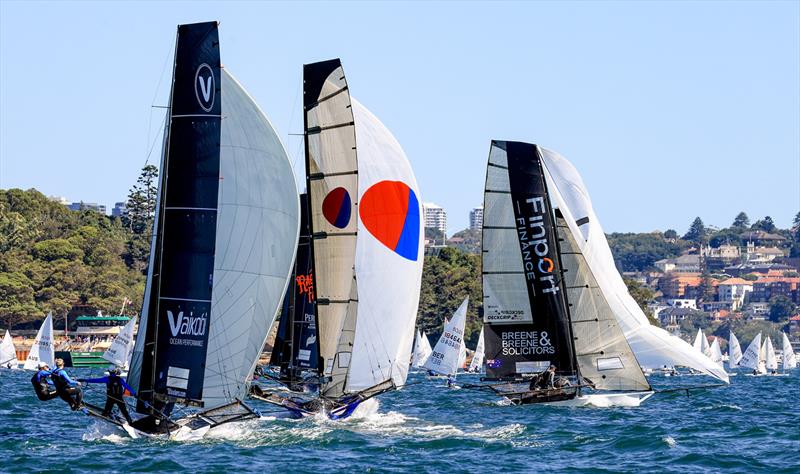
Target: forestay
[653,346]
[446,355]
[42,351]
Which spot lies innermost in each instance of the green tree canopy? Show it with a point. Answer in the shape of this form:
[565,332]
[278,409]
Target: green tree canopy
[741,221]
[697,232]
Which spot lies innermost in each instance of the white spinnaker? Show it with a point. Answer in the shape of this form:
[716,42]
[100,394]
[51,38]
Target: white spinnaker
[388,283]
[8,354]
[789,359]
[258,223]
[121,348]
[734,351]
[447,351]
[751,357]
[653,346]
[716,352]
[476,364]
[42,349]
[770,360]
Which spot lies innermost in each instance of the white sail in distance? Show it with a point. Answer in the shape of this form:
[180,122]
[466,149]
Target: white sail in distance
[8,354]
[42,349]
[789,359]
[734,351]
[447,351]
[422,350]
[476,364]
[770,360]
[653,346]
[716,352]
[121,349]
[752,355]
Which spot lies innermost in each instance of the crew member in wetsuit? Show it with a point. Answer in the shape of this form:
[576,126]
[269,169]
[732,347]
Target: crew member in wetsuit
[67,389]
[548,377]
[40,384]
[115,390]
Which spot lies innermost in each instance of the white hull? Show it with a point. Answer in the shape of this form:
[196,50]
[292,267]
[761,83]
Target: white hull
[605,400]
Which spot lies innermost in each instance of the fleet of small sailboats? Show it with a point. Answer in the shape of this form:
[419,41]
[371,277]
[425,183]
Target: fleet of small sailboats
[235,246]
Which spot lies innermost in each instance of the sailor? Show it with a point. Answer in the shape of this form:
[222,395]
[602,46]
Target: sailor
[40,384]
[451,381]
[115,390]
[67,389]
[548,378]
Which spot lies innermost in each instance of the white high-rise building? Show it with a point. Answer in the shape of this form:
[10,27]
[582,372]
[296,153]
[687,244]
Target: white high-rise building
[435,217]
[476,218]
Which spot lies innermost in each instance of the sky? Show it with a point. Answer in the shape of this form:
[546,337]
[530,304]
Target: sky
[669,110]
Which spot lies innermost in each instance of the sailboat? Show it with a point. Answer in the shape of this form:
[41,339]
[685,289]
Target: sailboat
[446,357]
[120,351]
[8,354]
[224,238]
[716,353]
[422,350]
[295,354]
[770,360]
[701,343]
[754,357]
[552,293]
[476,364]
[366,246]
[788,359]
[734,351]
[42,351]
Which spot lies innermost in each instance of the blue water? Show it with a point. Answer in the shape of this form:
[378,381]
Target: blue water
[753,425]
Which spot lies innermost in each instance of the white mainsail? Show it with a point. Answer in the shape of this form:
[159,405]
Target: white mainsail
[653,346]
[426,348]
[770,360]
[42,348]
[789,358]
[734,351]
[476,364]
[716,352]
[121,349]
[751,358]
[447,351]
[8,354]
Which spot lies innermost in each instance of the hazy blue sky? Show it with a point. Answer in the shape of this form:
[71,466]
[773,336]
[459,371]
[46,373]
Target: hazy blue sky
[669,110]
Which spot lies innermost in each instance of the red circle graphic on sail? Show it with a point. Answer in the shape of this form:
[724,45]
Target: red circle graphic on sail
[390,212]
[336,207]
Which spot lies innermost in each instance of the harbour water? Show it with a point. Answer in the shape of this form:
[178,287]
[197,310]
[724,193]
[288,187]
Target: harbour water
[753,425]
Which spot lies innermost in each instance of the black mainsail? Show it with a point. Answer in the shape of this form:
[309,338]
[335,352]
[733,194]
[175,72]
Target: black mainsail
[296,349]
[527,318]
[224,239]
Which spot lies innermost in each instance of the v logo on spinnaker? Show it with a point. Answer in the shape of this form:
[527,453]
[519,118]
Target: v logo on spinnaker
[174,324]
[205,87]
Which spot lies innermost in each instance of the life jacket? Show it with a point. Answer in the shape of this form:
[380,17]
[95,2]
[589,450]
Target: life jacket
[40,385]
[58,380]
[114,387]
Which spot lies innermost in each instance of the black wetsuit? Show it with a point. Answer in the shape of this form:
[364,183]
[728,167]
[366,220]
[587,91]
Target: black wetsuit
[70,394]
[115,390]
[547,379]
[41,387]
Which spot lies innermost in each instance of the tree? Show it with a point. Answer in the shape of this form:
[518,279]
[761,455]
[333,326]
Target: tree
[697,232]
[766,224]
[141,206]
[639,252]
[642,295]
[741,222]
[781,308]
[670,234]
